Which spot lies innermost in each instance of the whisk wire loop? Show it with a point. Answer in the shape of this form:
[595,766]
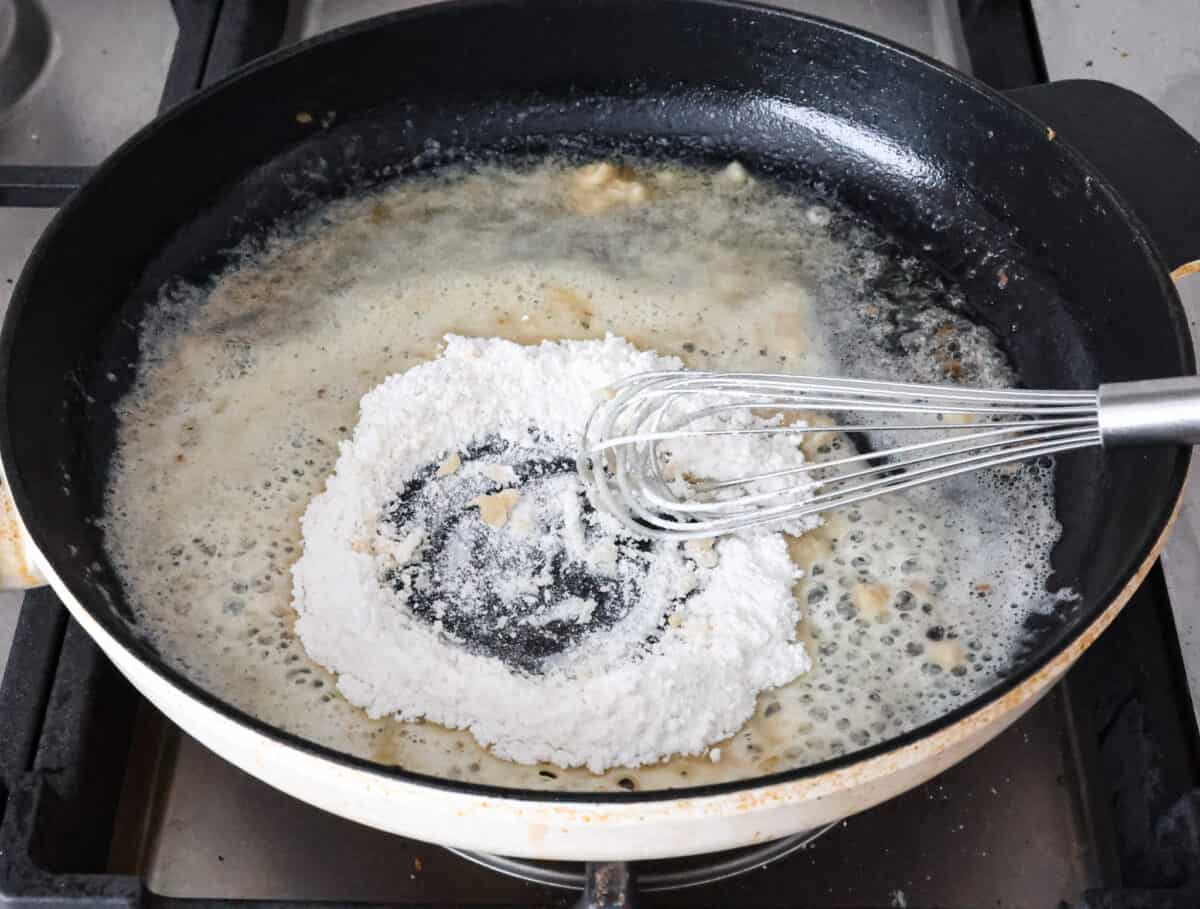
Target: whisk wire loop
[631,443]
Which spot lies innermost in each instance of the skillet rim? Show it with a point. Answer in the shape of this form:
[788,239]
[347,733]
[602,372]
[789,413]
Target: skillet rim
[22,298]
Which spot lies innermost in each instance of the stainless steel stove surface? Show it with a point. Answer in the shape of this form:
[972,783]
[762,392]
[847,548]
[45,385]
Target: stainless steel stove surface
[218,832]
[930,26]
[1090,801]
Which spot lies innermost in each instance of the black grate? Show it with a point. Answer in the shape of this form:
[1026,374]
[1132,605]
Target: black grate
[65,721]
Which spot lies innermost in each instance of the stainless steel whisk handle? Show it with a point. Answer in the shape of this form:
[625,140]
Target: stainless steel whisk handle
[1151,412]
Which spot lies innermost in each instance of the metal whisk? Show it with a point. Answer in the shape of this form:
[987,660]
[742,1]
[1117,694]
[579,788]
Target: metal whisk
[942,431]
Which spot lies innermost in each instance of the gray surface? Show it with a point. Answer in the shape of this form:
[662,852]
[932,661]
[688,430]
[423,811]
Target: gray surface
[10,608]
[930,26]
[1154,50]
[102,80]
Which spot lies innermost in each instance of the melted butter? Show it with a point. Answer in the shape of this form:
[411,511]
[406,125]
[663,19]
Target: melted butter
[245,389]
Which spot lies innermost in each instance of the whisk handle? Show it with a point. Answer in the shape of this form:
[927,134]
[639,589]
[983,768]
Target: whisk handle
[1153,412]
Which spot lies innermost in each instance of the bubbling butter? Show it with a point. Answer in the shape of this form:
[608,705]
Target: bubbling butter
[246,387]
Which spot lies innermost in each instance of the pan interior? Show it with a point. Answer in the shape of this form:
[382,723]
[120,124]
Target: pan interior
[961,182]
[247,384]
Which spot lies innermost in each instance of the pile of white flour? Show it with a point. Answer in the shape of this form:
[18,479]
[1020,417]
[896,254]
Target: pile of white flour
[454,569]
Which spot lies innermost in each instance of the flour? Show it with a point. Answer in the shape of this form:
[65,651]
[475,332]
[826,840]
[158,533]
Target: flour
[734,458]
[455,570]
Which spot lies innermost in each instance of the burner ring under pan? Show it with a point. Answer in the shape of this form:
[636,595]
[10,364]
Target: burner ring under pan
[652,876]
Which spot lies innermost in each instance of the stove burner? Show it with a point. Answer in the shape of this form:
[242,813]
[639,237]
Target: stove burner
[650,877]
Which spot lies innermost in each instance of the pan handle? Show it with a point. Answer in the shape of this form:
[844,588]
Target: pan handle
[18,570]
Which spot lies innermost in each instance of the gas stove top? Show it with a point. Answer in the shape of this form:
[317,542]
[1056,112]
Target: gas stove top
[1091,800]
